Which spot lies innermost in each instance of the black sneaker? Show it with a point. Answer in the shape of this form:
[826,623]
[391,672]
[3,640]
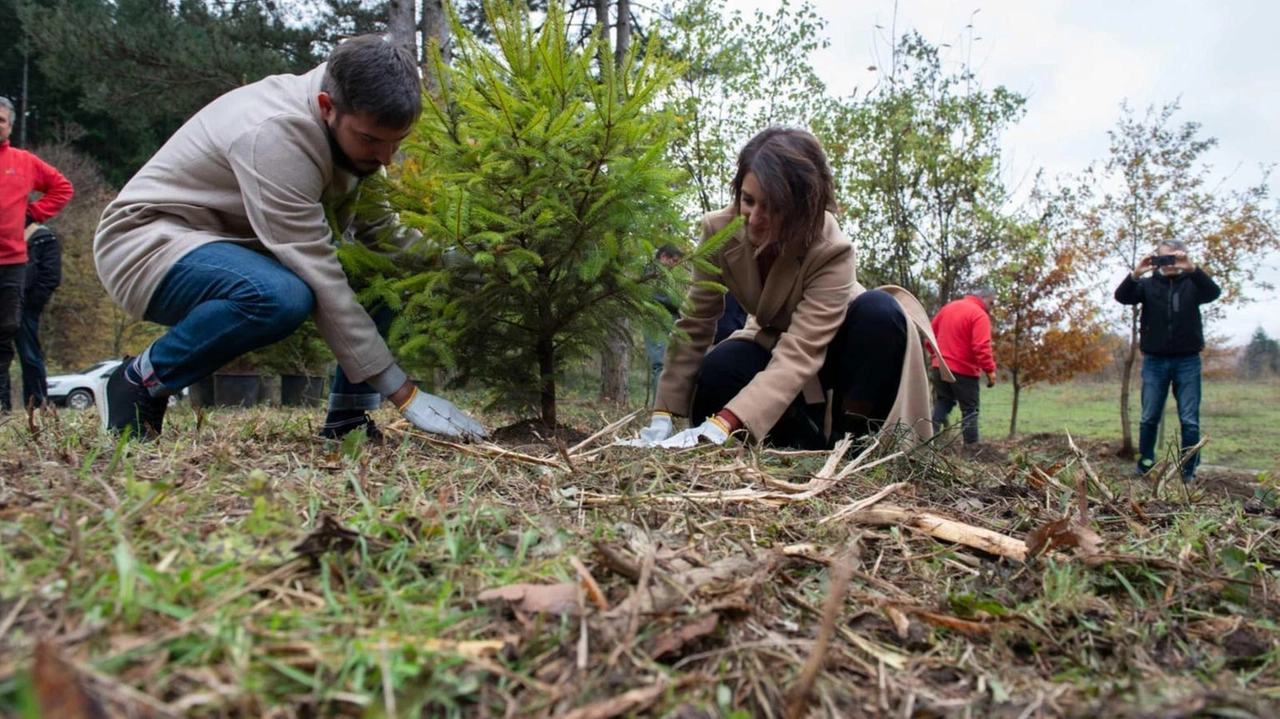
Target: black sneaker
[339,428]
[127,407]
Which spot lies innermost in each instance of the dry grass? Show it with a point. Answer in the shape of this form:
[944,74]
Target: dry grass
[166,580]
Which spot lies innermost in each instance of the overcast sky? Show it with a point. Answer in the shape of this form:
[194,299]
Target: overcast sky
[1076,60]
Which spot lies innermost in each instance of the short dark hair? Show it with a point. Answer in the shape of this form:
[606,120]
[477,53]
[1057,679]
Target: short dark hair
[795,177]
[668,250]
[376,75]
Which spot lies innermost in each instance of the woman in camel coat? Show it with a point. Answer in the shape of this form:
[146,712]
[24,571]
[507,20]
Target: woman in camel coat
[820,356]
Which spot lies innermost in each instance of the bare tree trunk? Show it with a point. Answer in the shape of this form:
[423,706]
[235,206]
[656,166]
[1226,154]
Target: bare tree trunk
[547,378]
[613,365]
[602,21]
[1126,375]
[22,106]
[435,33]
[624,30]
[401,22]
[1013,415]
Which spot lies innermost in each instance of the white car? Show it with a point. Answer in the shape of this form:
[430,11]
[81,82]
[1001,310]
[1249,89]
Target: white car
[77,390]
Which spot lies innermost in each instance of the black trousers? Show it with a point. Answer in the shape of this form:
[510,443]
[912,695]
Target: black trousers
[12,278]
[862,370]
[946,395]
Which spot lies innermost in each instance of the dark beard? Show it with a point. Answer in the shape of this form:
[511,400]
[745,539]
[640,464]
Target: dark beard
[340,158]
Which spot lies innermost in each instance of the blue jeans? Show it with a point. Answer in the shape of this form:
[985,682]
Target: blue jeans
[345,394]
[221,301]
[1157,374]
[35,388]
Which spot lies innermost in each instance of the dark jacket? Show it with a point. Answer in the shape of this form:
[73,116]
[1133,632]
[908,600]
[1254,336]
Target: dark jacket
[44,269]
[1170,324]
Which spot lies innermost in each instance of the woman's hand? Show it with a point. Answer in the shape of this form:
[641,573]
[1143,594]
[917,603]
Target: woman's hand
[660,427]
[714,430]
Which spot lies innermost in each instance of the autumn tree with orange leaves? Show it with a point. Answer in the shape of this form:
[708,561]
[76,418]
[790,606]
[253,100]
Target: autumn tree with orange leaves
[1047,328]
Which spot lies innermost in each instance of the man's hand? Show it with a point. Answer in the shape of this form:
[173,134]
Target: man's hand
[1184,263]
[660,427]
[713,430]
[1144,266]
[432,414]
[991,379]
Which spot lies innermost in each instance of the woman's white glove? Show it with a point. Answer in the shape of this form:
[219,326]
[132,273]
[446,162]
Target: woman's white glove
[660,427]
[430,413]
[713,430]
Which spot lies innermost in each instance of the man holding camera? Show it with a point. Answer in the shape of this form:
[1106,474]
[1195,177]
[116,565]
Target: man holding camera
[1170,289]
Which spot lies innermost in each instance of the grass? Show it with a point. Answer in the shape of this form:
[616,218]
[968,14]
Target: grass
[173,579]
[1241,419]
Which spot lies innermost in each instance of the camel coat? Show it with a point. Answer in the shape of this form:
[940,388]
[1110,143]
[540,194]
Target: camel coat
[795,313]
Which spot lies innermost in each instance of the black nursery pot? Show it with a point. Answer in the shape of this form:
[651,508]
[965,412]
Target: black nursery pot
[236,390]
[298,390]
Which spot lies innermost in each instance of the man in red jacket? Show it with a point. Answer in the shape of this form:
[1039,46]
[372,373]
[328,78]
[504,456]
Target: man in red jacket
[963,328]
[21,173]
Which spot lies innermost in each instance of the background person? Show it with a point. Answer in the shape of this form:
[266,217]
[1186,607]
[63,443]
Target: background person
[21,173]
[1169,288]
[656,347]
[963,329]
[44,274]
[819,355]
[225,237]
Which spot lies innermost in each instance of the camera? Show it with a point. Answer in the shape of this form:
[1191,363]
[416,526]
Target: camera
[1163,260]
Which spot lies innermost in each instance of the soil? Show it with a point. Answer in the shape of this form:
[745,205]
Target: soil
[533,433]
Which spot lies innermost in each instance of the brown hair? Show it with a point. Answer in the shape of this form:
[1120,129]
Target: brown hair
[793,173]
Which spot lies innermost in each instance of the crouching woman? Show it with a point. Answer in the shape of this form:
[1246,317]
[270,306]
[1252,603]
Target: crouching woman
[820,356]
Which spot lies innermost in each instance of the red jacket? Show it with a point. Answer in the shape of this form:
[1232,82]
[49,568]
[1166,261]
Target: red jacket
[964,337]
[21,173]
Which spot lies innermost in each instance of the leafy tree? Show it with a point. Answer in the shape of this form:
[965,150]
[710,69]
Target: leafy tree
[547,171]
[1261,356]
[918,162]
[739,74]
[1047,328]
[1155,186]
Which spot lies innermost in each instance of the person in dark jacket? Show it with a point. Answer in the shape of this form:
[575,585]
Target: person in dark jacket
[44,274]
[1171,338]
[656,346]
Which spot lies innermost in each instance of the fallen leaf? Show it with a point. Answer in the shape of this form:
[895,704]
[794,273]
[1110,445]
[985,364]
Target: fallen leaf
[672,640]
[626,703]
[59,692]
[536,598]
[901,624]
[330,536]
[1065,532]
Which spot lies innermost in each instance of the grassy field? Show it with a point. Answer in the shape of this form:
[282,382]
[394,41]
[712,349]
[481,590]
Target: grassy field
[1241,419]
[239,567]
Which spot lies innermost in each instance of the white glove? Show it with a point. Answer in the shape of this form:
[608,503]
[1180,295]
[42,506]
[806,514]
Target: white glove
[660,427]
[433,414]
[714,430]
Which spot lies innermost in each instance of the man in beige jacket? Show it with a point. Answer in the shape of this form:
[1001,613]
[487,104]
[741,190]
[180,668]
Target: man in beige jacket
[225,236]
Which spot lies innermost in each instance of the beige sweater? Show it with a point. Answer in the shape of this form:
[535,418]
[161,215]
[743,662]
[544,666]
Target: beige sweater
[254,168]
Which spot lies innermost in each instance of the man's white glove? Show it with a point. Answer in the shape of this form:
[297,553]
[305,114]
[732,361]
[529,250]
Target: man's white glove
[713,430]
[433,414]
[660,427]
